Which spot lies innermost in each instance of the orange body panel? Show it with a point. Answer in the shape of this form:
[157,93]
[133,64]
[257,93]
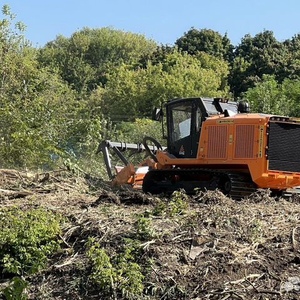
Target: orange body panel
[235,143]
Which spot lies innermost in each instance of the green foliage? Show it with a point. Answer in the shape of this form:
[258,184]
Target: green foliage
[291,90]
[144,228]
[130,272]
[34,127]
[208,41]
[270,97]
[134,132]
[27,239]
[291,66]
[263,97]
[38,113]
[15,56]
[132,93]
[119,274]
[42,122]
[16,289]
[160,208]
[131,282]
[177,205]
[103,273]
[87,126]
[157,57]
[188,76]
[255,57]
[84,59]
[58,102]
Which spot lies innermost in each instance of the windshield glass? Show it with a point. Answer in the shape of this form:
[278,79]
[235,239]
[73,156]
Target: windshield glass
[181,116]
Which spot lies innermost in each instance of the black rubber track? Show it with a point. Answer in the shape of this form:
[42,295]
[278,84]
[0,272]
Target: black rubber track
[234,184]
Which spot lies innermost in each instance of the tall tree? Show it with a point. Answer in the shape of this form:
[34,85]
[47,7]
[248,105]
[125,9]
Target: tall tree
[84,58]
[266,97]
[254,57]
[269,96]
[292,67]
[291,89]
[40,118]
[208,41]
[14,52]
[132,92]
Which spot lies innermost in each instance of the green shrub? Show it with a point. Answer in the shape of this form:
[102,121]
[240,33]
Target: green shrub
[27,239]
[131,279]
[103,272]
[119,274]
[177,205]
[159,208]
[144,228]
[130,272]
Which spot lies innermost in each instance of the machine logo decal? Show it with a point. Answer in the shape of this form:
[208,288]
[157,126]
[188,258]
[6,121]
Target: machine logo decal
[225,122]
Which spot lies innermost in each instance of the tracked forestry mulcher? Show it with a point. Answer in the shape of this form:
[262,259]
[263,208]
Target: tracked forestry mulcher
[212,144]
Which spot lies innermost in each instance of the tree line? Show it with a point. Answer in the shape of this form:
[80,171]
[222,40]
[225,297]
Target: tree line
[57,102]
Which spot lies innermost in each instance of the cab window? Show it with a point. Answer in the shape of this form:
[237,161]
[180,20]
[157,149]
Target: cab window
[181,122]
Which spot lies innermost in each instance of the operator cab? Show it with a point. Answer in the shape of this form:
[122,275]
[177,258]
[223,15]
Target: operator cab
[184,121]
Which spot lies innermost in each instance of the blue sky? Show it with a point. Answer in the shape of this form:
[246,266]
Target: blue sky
[163,21]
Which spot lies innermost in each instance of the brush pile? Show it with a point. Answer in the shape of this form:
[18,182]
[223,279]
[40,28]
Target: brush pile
[123,244]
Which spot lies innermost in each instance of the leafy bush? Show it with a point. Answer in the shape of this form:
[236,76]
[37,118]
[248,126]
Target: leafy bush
[177,205]
[144,229]
[27,239]
[120,274]
[103,274]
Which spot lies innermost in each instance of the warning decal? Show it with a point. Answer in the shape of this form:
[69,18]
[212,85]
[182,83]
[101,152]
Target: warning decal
[181,151]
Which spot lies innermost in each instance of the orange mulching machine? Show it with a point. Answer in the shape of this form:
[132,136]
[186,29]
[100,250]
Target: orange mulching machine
[213,143]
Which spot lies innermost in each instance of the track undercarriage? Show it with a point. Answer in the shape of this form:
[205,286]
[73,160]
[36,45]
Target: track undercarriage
[234,184]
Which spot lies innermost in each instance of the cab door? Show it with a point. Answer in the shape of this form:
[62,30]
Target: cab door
[184,126]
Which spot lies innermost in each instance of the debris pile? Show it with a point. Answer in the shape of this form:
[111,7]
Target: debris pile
[205,246]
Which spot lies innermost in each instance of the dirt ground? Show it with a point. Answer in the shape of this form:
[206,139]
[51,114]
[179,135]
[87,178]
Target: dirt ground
[212,248]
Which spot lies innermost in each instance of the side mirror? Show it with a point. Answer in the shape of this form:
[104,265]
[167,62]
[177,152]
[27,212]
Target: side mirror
[157,114]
